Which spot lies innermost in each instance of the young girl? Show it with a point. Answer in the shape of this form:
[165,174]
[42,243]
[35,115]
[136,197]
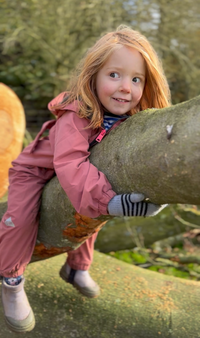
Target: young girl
[120,76]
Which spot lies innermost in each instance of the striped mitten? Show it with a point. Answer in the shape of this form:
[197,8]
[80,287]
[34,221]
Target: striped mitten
[132,205]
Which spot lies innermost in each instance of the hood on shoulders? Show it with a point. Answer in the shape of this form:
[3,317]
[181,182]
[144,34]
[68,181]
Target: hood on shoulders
[58,107]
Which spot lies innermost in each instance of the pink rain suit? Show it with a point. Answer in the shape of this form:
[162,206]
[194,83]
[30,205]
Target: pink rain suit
[63,152]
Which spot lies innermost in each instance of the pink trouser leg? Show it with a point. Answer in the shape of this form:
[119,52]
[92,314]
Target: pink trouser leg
[19,225]
[81,258]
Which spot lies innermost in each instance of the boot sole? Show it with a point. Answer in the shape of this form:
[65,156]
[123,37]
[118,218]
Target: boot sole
[22,329]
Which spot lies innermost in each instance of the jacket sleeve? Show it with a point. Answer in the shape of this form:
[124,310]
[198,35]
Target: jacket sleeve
[87,188]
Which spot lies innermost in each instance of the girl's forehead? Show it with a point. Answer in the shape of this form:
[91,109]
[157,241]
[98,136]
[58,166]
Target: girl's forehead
[125,57]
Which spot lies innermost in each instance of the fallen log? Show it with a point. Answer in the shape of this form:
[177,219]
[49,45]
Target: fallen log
[125,233]
[140,155]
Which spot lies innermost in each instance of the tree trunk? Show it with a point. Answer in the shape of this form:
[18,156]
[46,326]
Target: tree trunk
[128,232]
[140,155]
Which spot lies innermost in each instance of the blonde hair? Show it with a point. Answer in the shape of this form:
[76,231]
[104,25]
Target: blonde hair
[156,92]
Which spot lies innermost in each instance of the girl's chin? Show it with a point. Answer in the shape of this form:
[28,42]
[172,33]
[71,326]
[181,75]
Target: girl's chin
[118,111]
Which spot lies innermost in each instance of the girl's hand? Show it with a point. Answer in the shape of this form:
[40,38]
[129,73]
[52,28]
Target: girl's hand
[133,205]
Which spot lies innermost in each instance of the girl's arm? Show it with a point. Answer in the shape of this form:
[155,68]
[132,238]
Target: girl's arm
[87,188]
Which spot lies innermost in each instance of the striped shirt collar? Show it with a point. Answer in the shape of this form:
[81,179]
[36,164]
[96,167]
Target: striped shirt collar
[110,119]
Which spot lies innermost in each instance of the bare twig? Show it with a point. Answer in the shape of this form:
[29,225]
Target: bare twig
[185,222]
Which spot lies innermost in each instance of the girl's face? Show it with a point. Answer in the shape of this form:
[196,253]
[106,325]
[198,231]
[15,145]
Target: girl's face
[120,82]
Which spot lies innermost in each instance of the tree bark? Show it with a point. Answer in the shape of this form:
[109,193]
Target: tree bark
[140,155]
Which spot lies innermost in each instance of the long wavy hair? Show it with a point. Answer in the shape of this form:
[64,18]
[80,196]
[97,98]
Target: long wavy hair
[156,92]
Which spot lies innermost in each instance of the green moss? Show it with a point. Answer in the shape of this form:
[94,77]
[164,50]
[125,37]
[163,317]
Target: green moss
[155,268]
[171,271]
[129,257]
[136,258]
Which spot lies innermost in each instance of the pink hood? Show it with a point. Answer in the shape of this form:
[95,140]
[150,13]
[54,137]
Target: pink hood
[66,107]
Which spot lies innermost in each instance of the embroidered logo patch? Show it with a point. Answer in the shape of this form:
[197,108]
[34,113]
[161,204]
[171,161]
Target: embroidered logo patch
[9,222]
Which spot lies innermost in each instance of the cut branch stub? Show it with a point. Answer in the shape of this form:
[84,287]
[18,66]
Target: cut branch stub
[12,128]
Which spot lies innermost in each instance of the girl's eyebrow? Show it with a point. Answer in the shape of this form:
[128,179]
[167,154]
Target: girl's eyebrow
[139,74]
[114,68]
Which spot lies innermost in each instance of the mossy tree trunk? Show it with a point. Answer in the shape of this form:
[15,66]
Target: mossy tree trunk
[140,155]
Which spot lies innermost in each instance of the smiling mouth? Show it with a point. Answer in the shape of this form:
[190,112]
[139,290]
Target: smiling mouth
[120,100]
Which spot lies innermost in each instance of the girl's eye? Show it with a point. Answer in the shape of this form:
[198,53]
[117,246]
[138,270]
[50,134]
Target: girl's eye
[136,79]
[114,75]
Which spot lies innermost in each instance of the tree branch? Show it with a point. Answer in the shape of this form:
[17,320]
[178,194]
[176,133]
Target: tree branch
[139,155]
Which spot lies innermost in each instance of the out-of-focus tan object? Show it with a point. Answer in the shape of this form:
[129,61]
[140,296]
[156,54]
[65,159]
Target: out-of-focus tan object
[12,128]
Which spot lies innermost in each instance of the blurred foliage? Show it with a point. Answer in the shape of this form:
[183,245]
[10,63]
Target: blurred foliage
[41,41]
[170,271]
[129,256]
[27,138]
[150,259]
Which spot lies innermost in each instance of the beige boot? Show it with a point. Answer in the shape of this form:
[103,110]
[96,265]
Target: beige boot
[18,314]
[81,280]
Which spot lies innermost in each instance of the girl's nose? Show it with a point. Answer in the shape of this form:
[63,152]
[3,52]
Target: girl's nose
[125,86]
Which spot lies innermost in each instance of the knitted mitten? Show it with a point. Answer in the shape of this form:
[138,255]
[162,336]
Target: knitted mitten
[132,205]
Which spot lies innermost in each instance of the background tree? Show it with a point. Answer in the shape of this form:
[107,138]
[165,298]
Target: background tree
[173,28]
[42,41]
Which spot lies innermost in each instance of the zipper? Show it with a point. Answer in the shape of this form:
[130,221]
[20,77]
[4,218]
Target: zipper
[101,136]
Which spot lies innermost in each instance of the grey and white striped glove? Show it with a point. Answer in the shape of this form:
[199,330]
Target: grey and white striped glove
[133,205]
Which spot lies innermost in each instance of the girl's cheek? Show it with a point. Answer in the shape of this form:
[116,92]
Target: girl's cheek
[106,89]
[138,94]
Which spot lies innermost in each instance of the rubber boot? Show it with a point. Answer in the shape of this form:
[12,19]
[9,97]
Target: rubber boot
[18,314]
[81,280]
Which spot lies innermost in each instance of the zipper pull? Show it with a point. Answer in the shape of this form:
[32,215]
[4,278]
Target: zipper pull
[101,135]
